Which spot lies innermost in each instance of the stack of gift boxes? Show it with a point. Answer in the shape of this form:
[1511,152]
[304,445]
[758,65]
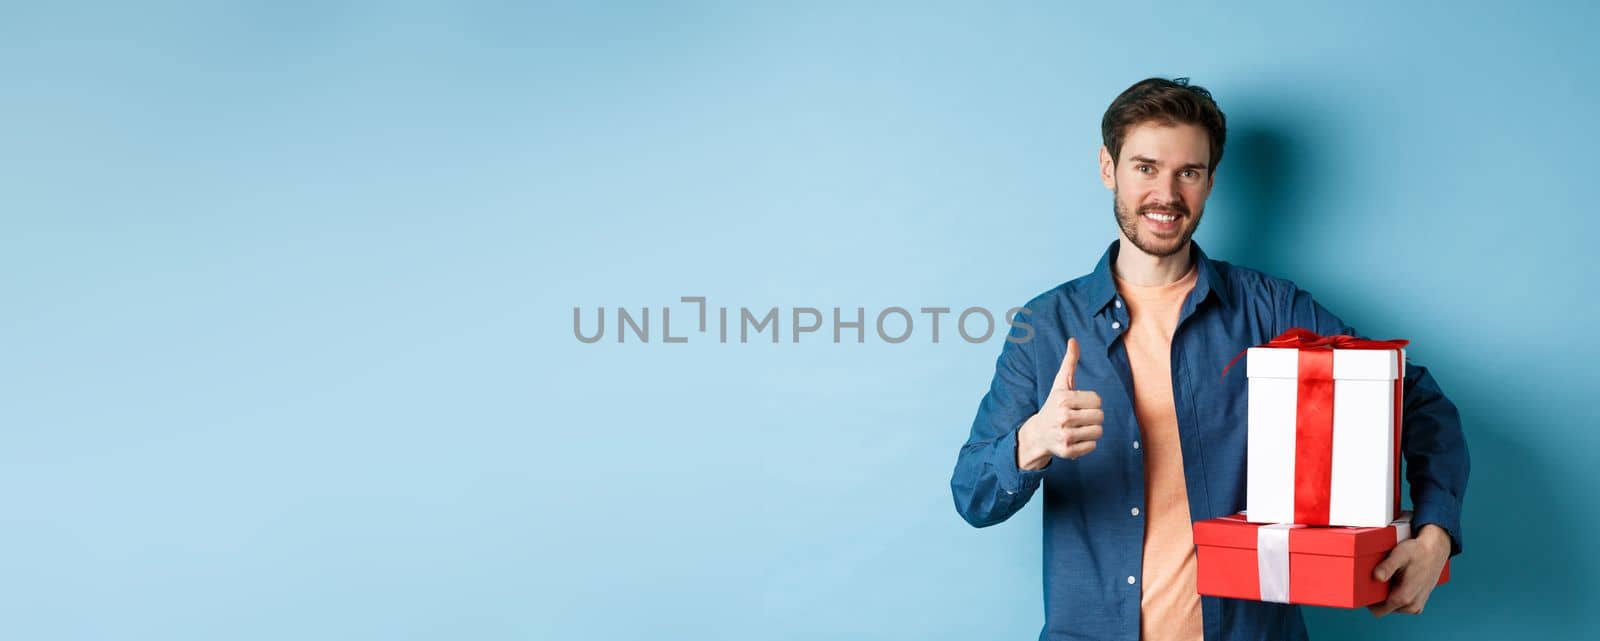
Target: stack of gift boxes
[1322,496]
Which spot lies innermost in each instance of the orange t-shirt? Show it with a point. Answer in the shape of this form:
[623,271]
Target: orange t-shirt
[1169,606]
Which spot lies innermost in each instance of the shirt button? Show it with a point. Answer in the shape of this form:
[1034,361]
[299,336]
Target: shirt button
[1119,304]
[1136,445]
[1134,511]
[1130,580]
[1116,324]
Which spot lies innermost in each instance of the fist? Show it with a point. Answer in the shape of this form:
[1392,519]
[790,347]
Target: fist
[1067,425]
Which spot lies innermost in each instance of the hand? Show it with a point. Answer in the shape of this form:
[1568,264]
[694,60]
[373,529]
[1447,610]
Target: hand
[1067,425]
[1418,561]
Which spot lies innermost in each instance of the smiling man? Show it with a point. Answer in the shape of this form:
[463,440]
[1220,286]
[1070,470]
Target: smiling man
[1117,409]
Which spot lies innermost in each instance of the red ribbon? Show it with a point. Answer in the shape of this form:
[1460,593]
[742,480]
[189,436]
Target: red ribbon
[1313,437]
[1313,462]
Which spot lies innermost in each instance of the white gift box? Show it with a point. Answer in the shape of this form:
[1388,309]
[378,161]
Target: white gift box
[1359,450]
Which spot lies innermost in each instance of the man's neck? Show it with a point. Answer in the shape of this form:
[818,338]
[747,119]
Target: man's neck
[1144,270]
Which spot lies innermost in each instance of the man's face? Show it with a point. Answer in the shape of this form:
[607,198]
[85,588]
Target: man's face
[1159,185]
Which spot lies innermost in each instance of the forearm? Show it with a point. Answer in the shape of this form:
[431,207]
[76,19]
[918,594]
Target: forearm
[988,484]
[1436,454]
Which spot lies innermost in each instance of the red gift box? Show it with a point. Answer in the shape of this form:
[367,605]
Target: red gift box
[1328,566]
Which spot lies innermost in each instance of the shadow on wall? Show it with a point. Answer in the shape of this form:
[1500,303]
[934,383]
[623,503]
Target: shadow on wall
[1516,572]
[1256,183]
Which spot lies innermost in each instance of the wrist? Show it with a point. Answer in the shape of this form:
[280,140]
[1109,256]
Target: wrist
[1434,538]
[1030,457]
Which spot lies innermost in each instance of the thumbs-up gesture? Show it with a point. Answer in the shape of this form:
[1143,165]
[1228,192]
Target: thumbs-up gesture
[1067,425]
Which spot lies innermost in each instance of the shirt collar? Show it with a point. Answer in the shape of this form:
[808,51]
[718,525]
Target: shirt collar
[1103,287]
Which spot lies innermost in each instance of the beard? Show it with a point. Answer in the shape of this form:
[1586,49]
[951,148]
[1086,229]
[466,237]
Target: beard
[1157,246]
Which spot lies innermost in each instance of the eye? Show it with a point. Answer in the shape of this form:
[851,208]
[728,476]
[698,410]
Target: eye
[1190,173]
[1145,169]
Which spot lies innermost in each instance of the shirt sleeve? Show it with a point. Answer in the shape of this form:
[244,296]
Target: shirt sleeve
[1431,439]
[987,485]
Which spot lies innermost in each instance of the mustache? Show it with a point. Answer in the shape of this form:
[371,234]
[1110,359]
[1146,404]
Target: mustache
[1175,206]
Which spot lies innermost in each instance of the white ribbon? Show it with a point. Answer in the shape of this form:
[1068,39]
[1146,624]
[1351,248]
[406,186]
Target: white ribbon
[1402,529]
[1272,561]
[1272,556]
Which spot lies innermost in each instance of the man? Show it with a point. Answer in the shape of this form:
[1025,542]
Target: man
[1117,407]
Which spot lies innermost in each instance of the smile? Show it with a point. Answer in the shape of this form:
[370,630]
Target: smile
[1160,218]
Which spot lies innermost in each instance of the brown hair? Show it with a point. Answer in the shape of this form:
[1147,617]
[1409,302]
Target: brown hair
[1168,102]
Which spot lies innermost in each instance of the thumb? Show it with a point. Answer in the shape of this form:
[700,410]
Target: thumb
[1396,560]
[1069,366]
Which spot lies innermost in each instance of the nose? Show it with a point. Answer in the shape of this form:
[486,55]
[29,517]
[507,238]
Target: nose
[1166,189]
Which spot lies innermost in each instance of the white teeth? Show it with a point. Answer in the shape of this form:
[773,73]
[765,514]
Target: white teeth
[1161,218]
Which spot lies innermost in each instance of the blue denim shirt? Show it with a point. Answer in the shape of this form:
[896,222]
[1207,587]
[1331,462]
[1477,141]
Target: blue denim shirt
[1093,542]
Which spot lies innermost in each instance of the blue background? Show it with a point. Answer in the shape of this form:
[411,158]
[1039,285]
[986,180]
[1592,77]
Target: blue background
[289,286]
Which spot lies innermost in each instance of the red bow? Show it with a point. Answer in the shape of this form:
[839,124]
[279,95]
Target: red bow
[1301,338]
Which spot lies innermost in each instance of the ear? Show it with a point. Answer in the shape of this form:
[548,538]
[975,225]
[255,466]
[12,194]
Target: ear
[1108,169]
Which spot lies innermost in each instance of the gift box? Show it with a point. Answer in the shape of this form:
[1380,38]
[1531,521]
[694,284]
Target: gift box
[1324,430]
[1328,566]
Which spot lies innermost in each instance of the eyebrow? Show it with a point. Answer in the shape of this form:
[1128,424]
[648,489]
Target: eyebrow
[1152,161]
